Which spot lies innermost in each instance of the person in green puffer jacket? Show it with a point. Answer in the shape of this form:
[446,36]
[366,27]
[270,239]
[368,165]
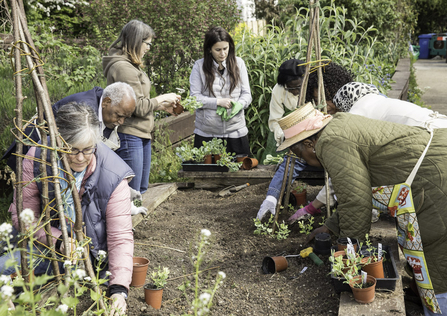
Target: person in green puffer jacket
[359,153]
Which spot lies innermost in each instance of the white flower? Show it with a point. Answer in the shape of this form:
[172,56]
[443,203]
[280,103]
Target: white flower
[203,311]
[67,263]
[62,308]
[7,291]
[102,254]
[80,273]
[205,233]
[5,231]
[27,216]
[79,250]
[222,274]
[180,90]
[205,298]
[88,279]
[108,273]
[5,279]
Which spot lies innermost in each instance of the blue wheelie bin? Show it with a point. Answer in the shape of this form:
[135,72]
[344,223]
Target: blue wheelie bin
[424,44]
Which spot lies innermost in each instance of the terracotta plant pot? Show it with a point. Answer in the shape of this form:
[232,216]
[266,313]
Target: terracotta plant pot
[208,159]
[240,158]
[139,272]
[216,158]
[342,243]
[363,295]
[249,163]
[274,264]
[153,296]
[179,109]
[322,244]
[375,269]
[298,199]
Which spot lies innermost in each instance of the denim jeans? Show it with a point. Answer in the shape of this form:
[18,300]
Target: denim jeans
[41,266]
[442,301]
[136,152]
[276,183]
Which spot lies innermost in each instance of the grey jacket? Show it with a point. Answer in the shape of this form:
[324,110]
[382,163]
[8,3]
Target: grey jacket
[208,122]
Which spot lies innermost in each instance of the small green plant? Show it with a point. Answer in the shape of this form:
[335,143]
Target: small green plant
[265,229]
[299,186]
[306,228]
[191,104]
[160,277]
[186,152]
[372,250]
[227,160]
[270,160]
[322,221]
[216,146]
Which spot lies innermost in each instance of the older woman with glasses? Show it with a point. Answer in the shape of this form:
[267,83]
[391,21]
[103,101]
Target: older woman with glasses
[125,63]
[101,178]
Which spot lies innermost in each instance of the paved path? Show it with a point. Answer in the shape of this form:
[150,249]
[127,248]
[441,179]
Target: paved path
[431,77]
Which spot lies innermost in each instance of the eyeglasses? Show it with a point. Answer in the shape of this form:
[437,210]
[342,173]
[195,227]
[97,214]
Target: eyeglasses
[85,152]
[149,44]
[292,88]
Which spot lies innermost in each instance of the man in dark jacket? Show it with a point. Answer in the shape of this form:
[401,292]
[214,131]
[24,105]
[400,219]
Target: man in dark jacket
[116,101]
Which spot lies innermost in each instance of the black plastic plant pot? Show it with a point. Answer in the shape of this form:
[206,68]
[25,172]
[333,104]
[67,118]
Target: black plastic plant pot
[342,243]
[322,244]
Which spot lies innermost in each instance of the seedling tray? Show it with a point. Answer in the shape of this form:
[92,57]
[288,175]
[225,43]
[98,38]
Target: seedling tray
[198,167]
[385,284]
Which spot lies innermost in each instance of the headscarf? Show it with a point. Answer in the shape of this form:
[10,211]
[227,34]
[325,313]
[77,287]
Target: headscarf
[289,71]
[350,93]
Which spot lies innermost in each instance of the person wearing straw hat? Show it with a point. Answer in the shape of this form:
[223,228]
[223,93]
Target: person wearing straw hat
[406,166]
[366,100]
[334,77]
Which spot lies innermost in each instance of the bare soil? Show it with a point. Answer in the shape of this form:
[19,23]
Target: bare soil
[235,250]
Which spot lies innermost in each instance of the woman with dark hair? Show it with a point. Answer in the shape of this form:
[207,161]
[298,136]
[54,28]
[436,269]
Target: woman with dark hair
[334,77]
[124,63]
[220,82]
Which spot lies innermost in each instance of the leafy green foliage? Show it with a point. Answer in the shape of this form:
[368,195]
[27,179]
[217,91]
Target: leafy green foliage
[282,231]
[159,276]
[179,25]
[306,228]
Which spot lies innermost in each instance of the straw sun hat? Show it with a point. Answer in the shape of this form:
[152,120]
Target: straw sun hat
[301,124]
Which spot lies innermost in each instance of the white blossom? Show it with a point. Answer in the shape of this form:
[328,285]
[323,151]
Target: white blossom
[27,216]
[80,273]
[67,263]
[5,231]
[7,291]
[5,279]
[88,279]
[102,254]
[205,233]
[222,274]
[79,250]
[205,298]
[108,273]
[62,308]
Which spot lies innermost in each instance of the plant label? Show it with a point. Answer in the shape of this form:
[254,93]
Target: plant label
[364,275]
[379,251]
[350,247]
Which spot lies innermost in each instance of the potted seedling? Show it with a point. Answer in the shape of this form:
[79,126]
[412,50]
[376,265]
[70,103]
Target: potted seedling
[227,160]
[153,292]
[299,193]
[188,153]
[374,266]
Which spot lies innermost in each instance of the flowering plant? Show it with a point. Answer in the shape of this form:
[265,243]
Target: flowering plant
[160,277]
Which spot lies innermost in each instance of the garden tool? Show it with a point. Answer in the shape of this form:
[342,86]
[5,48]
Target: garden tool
[232,189]
[309,252]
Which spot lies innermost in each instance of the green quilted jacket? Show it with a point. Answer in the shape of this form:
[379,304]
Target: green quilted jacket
[359,153]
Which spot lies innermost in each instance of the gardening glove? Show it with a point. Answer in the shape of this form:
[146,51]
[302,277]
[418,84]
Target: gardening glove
[134,210]
[119,305]
[135,195]
[304,212]
[222,112]
[237,107]
[269,205]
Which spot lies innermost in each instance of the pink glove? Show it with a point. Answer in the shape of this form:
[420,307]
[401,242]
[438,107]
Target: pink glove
[304,212]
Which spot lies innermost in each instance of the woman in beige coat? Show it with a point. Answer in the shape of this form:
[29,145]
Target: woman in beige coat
[124,63]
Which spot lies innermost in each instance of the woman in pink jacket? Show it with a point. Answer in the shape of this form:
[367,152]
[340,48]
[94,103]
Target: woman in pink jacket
[102,182]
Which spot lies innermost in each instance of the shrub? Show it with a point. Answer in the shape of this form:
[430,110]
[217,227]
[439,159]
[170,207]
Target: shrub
[179,25]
